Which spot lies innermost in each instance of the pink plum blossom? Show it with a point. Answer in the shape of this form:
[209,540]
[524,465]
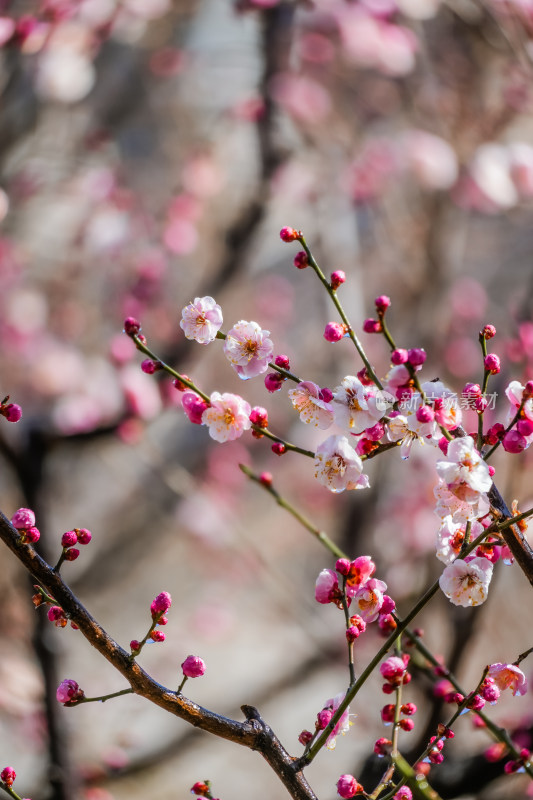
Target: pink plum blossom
[227,417]
[343,725]
[459,510]
[465,473]
[412,425]
[357,407]
[248,349]
[515,395]
[466,583]
[338,467]
[327,587]
[508,676]
[201,320]
[450,537]
[447,410]
[368,599]
[360,570]
[306,399]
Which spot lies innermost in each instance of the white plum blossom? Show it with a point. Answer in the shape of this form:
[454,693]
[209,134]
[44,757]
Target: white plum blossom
[248,349]
[515,395]
[227,417]
[201,320]
[466,583]
[444,402]
[357,407]
[407,428]
[450,537]
[465,473]
[338,467]
[306,399]
[459,510]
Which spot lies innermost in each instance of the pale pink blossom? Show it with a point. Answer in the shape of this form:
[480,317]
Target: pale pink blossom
[227,417]
[465,473]
[356,407]
[201,320]
[466,583]
[306,399]
[407,428]
[508,676]
[515,395]
[338,467]
[359,572]
[343,725]
[450,537]
[369,599]
[248,349]
[447,410]
[327,587]
[459,510]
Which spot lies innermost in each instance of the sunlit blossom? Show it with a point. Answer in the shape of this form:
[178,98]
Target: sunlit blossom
[248,349]
[201,320]
[508,676]
[338,467]
[343,725]
[357,407]
[466,583]
[327,587]
[227,417]
[459,510]
[464,472]
[306,399]
[369,599]
[450,537]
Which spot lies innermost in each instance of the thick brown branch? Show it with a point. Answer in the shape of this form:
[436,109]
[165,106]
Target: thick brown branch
[254,733]
[513,536]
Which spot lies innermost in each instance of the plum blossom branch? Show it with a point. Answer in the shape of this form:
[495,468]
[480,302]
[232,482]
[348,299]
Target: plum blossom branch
[254,733]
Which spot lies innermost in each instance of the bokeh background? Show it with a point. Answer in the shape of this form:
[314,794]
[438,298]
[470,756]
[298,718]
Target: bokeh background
[150,151]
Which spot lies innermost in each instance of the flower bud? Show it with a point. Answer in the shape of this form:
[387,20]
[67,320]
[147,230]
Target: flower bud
[282,361]
[334,331]
[300,260]
[337,279]
[488,332]
[273,381]
[279,448]
[399,356]
[23,518]
[348,787]
[12,412]
[259,416]
[305,737]
[8,776]
[131,326]
[372,326]
[492,363]
[69,539]
[193,667]
[382,303]
[288,234]
[416,356]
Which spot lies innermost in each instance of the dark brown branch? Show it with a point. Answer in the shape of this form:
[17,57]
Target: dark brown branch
[254,733]
[513,536]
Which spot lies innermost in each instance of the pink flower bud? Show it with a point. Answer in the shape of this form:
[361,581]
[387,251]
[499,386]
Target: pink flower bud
[282,361]
[472,390]
[23,518]
[382,303]
[392,668]
[84,536]
[382,746]
[524,427]
[273,381]
[416,356]
[399,356]
[407,725]
[376,432]
[134,645]
[342,565]
[364,377]
[528,390]
[266,478]
[180,385]
[387,624]
[495,433]
[352,633]
[388,605]
[475,702]
[425,414]
[8,776]
[193,667]
[279,448]
[68,692]
[160,604]
[158,636]
[348,787]
[488,332]
[131,326]
[194,407]
[408,709]
[495,752]
[200,789]
[387,713]
[510,767]
[69,539]
[492,363]
[334,331]
[300,260]
[32,535]
[288,234]
[323,718]
[434,757]
[337,279]
[72,554]
[513,442]
[326,395]
[305,737]
[372,326]
[12,412]
[490,693]
[149,367]
[259,416]
[404,793]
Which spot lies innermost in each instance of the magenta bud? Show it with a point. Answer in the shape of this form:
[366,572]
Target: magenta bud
[416,356]
[279,448]
[300,260]
[399,356]
[305,737]
[514,442]
[425,414]
[259,416]
[343,566]
[158,636]
[84,536]
[376,432]
[372,326]
[194,406]
[382,303]
[132,326]
[524,427]
[323,718]
[72,554]
[32,535]
[12,412]
[282,361]
[492,363]
[134,645]
[193,667]
[149,367]
[273,381]
[337,279]
[8,776]
[266,478]
[288,234]
[161,604]
[326,395]
[69,539]
[472,390]
[334,331]
[488,332]
[23,518]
